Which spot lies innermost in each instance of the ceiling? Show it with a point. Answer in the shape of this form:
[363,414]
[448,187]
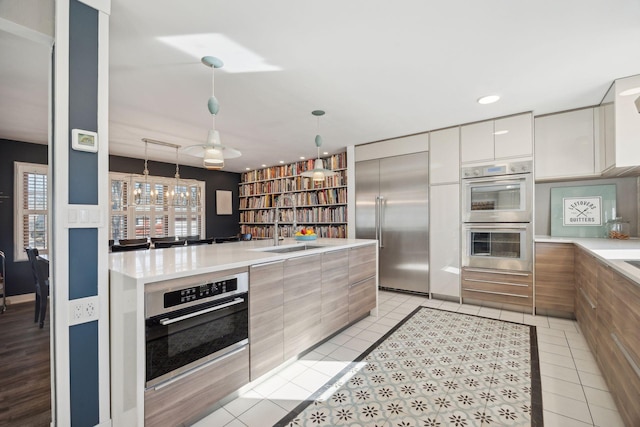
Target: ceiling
[379,69]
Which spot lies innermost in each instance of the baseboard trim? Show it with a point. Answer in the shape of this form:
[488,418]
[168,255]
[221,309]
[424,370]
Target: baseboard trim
[19,299]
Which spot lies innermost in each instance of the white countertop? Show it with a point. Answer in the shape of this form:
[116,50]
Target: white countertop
[611,251]
[162,264]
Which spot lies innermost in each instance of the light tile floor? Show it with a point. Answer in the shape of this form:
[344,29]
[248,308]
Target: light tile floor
[573,390]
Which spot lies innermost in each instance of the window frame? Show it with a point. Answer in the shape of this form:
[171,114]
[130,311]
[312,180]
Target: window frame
[165,213]
[20,168]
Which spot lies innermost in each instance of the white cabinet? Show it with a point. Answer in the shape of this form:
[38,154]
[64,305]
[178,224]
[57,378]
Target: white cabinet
[476,142]
[503,138]
[444,240]
[444,156]
[513,136]
[566,145]
[621,127]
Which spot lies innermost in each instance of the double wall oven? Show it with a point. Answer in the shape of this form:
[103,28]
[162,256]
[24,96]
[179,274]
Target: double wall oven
[497,230]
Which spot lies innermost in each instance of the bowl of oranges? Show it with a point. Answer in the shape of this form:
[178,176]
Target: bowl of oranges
[305,233]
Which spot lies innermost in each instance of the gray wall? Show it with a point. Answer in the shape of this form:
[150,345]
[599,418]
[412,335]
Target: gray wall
[626,201]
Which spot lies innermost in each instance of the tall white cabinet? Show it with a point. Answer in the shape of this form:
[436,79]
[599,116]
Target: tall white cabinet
[444,212]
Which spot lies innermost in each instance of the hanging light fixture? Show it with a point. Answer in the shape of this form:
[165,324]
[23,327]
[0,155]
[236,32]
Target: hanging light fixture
[213,151]
[318,173]
[140,196]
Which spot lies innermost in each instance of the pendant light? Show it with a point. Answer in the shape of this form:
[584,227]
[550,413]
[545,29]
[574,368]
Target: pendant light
[140,196]
[213,151]
[318,173]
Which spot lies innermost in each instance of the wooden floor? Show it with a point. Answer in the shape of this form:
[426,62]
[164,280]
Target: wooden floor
[25,387]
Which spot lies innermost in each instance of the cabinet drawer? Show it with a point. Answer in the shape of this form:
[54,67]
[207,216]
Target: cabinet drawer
[504,288]
[362,263]
[179,402]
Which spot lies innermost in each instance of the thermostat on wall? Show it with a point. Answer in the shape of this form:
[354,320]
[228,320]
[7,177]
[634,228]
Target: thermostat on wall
[84,140]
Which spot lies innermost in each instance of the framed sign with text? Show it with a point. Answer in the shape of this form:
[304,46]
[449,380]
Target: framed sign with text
[585,211]
[582,211]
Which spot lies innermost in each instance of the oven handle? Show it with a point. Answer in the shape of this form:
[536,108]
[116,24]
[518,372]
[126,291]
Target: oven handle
[502,226]
[498,179]
[165,322]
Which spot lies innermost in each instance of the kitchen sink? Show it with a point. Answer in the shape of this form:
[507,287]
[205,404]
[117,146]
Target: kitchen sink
[635,263]
[286,249]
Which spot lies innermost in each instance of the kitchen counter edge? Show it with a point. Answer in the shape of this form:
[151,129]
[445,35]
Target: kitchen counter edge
[153,265]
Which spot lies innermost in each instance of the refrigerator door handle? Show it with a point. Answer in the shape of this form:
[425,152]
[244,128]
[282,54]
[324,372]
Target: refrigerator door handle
[379,220]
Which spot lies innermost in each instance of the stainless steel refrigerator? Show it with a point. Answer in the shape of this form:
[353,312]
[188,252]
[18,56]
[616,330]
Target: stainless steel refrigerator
[392,205]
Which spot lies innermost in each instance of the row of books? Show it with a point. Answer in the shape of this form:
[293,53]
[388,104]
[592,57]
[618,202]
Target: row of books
[331,231]
[297,183]
[330,196]
[308,215]
[337,161]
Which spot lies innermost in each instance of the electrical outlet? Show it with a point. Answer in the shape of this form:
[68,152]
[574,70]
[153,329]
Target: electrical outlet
[83,310]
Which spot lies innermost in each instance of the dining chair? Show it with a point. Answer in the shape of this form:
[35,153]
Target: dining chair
[132,247]
[40,271]
[198,241]
[194,237]
[132,241]
[162,244]
[163,239]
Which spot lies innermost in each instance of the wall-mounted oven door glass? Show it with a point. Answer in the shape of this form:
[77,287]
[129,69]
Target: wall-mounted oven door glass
[184,339]
[497,200]
[498,246]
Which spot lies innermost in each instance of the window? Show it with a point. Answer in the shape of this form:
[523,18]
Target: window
[31,207]
[154,207]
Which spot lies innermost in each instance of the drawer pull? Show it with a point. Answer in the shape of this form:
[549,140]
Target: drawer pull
[508,273]
[495,293]
[626,354]
[586,297]
[497,283]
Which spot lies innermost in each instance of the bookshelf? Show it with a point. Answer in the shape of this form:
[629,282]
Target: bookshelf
[321,205]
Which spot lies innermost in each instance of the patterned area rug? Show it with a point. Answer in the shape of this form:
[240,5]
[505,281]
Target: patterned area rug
[435,369]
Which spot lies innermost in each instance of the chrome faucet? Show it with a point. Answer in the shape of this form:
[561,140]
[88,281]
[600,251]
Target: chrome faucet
[276,237]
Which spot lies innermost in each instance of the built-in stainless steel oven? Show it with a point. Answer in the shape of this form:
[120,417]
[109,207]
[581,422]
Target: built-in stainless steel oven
[497,193]
[190,325]
[498,246]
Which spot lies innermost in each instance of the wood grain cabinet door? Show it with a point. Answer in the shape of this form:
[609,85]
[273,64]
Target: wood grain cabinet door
[302,303]
[266,317]
[335,291]
[555,284]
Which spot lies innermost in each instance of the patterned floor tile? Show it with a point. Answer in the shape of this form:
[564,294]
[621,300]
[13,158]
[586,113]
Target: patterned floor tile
[436,368]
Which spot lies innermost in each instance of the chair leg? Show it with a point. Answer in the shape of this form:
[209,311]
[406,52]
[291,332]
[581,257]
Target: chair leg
[43,309]
[37,308]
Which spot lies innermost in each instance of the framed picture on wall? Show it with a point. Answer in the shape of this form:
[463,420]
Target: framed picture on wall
[582,211]
[223,202]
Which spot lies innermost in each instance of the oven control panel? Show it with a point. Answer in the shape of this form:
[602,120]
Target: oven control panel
[199,292]
[497,169]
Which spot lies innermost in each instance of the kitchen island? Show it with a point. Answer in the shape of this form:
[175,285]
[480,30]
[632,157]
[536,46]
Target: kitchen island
[602,290]
[297,298]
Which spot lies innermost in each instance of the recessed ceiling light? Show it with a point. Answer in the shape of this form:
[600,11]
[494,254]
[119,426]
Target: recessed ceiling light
[247,169]
[325,153]
[264,166]
[489,99]
[301,157]
[501,132]
[281,161]
[632,91]
[237,58]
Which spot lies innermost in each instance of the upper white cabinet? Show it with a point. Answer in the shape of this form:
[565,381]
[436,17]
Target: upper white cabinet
[620,123]
[444,156]
[476,142]
[504,138]
[566,145]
